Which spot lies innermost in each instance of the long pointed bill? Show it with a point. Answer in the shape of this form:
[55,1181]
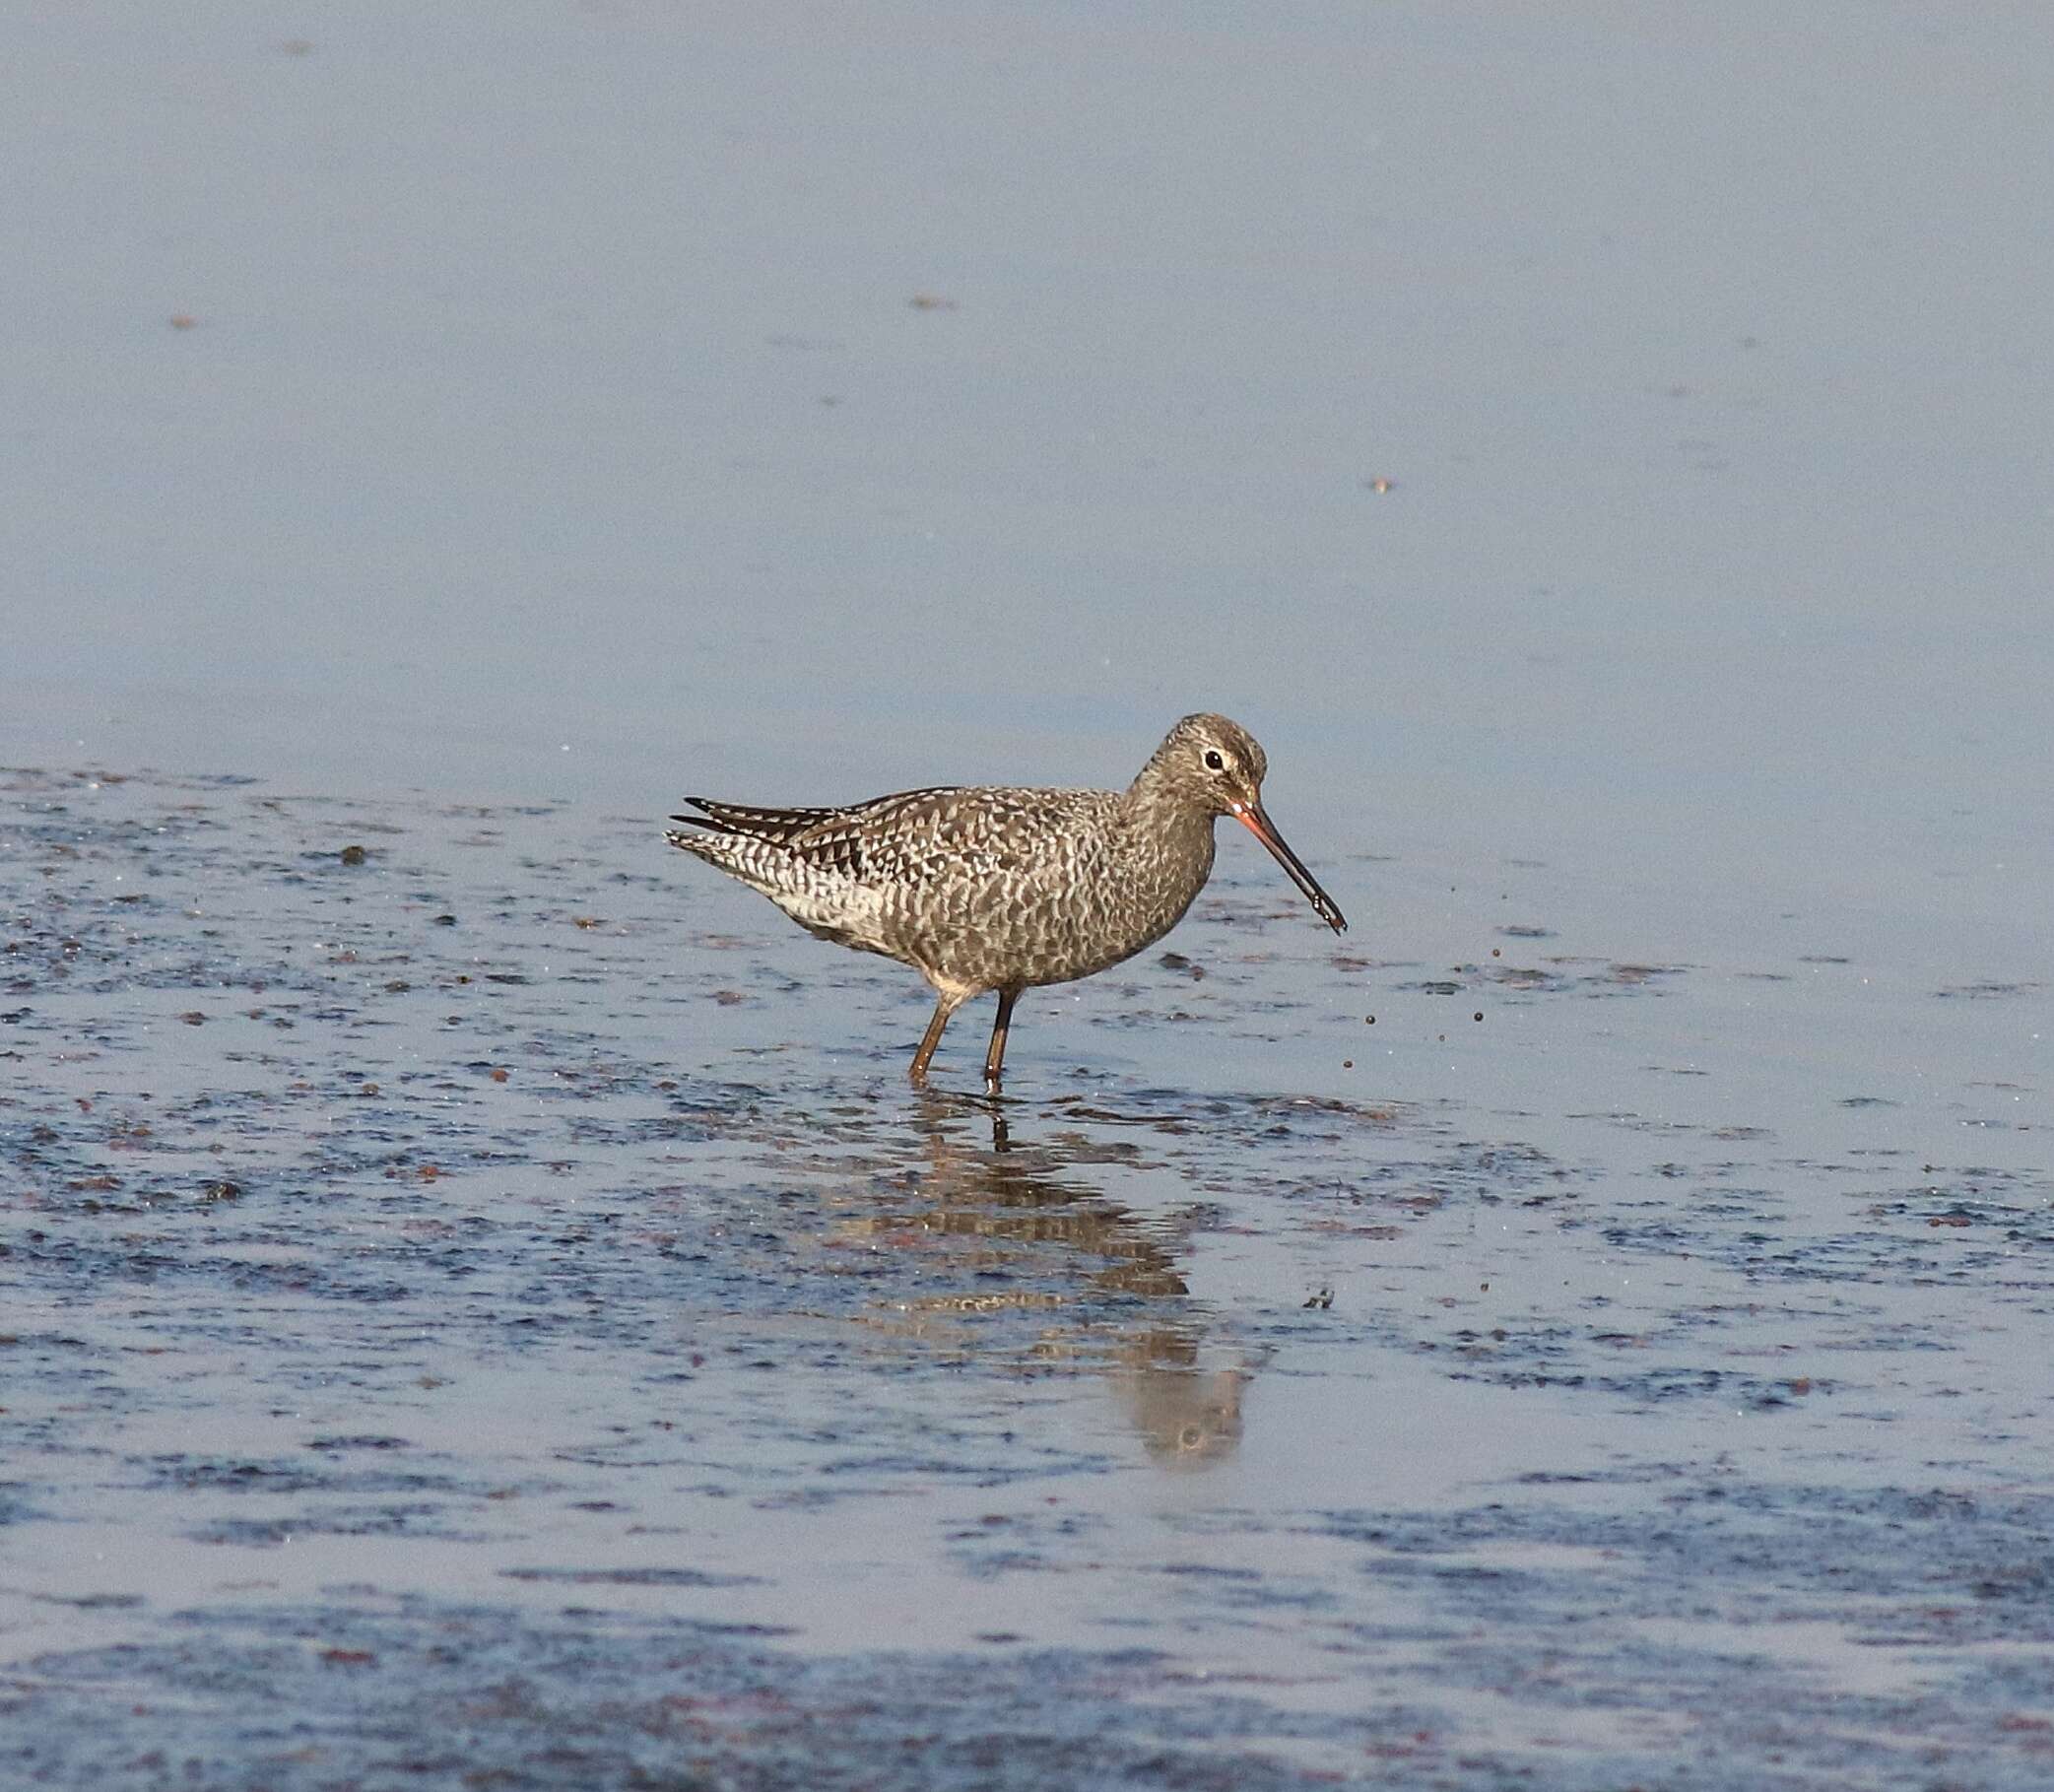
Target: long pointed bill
[1251,816]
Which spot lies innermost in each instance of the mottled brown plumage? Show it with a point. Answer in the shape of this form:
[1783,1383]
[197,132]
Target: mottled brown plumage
[990,888]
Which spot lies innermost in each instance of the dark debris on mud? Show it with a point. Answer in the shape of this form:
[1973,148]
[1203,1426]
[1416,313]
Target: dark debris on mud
[419,1190]
[432,1694]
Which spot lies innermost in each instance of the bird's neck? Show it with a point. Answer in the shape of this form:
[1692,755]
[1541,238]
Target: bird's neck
[1155,809]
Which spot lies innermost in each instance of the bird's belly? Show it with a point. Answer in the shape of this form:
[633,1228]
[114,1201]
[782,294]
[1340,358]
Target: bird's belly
[850,915]
[1026,933]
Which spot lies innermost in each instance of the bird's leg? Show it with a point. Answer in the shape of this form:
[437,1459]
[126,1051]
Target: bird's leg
[932,1037]
[997,1054]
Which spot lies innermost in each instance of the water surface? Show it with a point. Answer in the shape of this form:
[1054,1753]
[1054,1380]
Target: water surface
[480,1303]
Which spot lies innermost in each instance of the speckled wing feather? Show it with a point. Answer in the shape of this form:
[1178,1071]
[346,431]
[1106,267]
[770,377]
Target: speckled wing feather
[919,836]
[837,840]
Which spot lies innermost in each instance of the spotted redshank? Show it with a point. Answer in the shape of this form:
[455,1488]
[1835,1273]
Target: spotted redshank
[990,888]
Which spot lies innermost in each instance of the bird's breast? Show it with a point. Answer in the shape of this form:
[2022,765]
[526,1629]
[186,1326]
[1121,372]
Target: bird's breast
[1050,916]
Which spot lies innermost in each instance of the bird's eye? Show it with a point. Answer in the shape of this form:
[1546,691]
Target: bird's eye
[1212,761]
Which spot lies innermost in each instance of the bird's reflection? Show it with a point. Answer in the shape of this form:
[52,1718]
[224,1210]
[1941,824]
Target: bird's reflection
[1015,1194]
[1187,1417]
[1019,1192]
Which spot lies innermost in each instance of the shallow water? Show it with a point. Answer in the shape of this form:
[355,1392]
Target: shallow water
[479,1305]
[528,1325]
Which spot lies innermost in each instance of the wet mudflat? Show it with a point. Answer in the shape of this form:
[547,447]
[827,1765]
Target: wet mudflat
[481,1307]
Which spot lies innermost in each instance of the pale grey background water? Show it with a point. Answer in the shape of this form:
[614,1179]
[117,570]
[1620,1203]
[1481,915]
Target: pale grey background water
[581,404]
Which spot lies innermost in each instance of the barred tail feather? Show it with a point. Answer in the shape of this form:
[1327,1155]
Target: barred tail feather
[777,826]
